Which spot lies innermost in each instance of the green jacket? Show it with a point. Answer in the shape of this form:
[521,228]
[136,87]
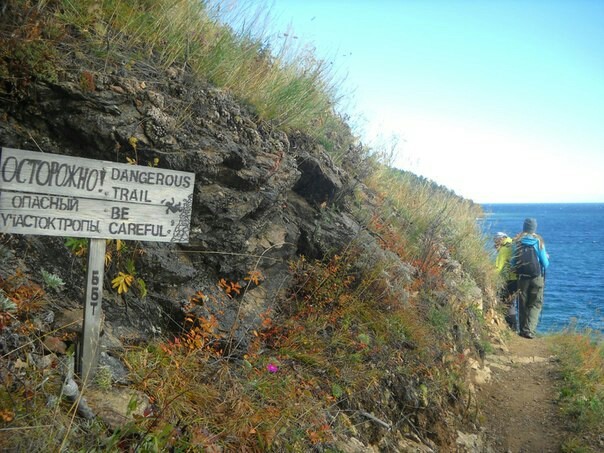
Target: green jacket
[502,262]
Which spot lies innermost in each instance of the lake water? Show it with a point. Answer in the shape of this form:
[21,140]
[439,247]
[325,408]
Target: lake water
[574,239]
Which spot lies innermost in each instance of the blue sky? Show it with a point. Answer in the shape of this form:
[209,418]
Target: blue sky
[501,101]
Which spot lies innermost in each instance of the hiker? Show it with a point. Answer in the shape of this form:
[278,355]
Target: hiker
[529,261]
[507,294]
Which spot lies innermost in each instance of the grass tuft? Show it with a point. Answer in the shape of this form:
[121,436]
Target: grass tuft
[283,81]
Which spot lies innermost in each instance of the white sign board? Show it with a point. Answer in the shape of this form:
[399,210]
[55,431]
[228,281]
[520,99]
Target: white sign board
[54,195]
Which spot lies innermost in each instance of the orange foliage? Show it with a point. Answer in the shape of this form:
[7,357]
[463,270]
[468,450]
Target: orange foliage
[255,277]
[28,296]
[319,434]
[201,334]
[230,287]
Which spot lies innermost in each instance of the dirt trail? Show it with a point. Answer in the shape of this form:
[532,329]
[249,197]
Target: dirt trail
[518,401]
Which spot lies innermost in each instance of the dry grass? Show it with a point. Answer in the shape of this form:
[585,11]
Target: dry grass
[581,355]
[338,341]
[284,82]
[420,217]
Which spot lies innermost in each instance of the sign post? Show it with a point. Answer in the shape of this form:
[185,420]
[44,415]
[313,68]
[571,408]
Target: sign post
[55,195]
[92,308]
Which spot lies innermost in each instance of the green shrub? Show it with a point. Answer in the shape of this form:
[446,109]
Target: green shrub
[52,281]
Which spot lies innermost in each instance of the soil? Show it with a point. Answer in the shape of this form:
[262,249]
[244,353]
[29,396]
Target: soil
[519,401]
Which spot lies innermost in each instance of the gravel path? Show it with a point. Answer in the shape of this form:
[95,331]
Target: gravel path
[519,400]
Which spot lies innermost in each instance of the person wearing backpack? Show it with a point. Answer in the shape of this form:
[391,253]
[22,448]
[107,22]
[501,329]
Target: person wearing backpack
[529,261]
[507,294]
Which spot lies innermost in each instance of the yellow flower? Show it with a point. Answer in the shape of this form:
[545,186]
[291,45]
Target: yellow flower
[122,282]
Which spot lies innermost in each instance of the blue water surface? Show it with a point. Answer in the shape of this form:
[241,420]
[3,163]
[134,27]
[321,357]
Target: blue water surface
[574,239]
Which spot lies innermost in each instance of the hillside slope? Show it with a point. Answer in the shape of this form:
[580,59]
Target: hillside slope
[306,312]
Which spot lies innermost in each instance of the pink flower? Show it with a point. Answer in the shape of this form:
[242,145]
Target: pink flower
[272,368]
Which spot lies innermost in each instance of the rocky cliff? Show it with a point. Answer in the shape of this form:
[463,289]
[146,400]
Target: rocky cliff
[261,197]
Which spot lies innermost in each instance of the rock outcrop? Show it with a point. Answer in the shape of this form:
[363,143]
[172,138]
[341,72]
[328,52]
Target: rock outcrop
[261,197]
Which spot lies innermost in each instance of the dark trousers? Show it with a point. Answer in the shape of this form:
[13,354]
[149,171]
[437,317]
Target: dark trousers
[530,303]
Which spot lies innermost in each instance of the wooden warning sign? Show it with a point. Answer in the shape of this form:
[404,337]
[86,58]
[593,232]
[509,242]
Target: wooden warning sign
[55,195]
[49,194]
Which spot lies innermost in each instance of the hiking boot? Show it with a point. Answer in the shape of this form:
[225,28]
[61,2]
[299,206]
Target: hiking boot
[528,335]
